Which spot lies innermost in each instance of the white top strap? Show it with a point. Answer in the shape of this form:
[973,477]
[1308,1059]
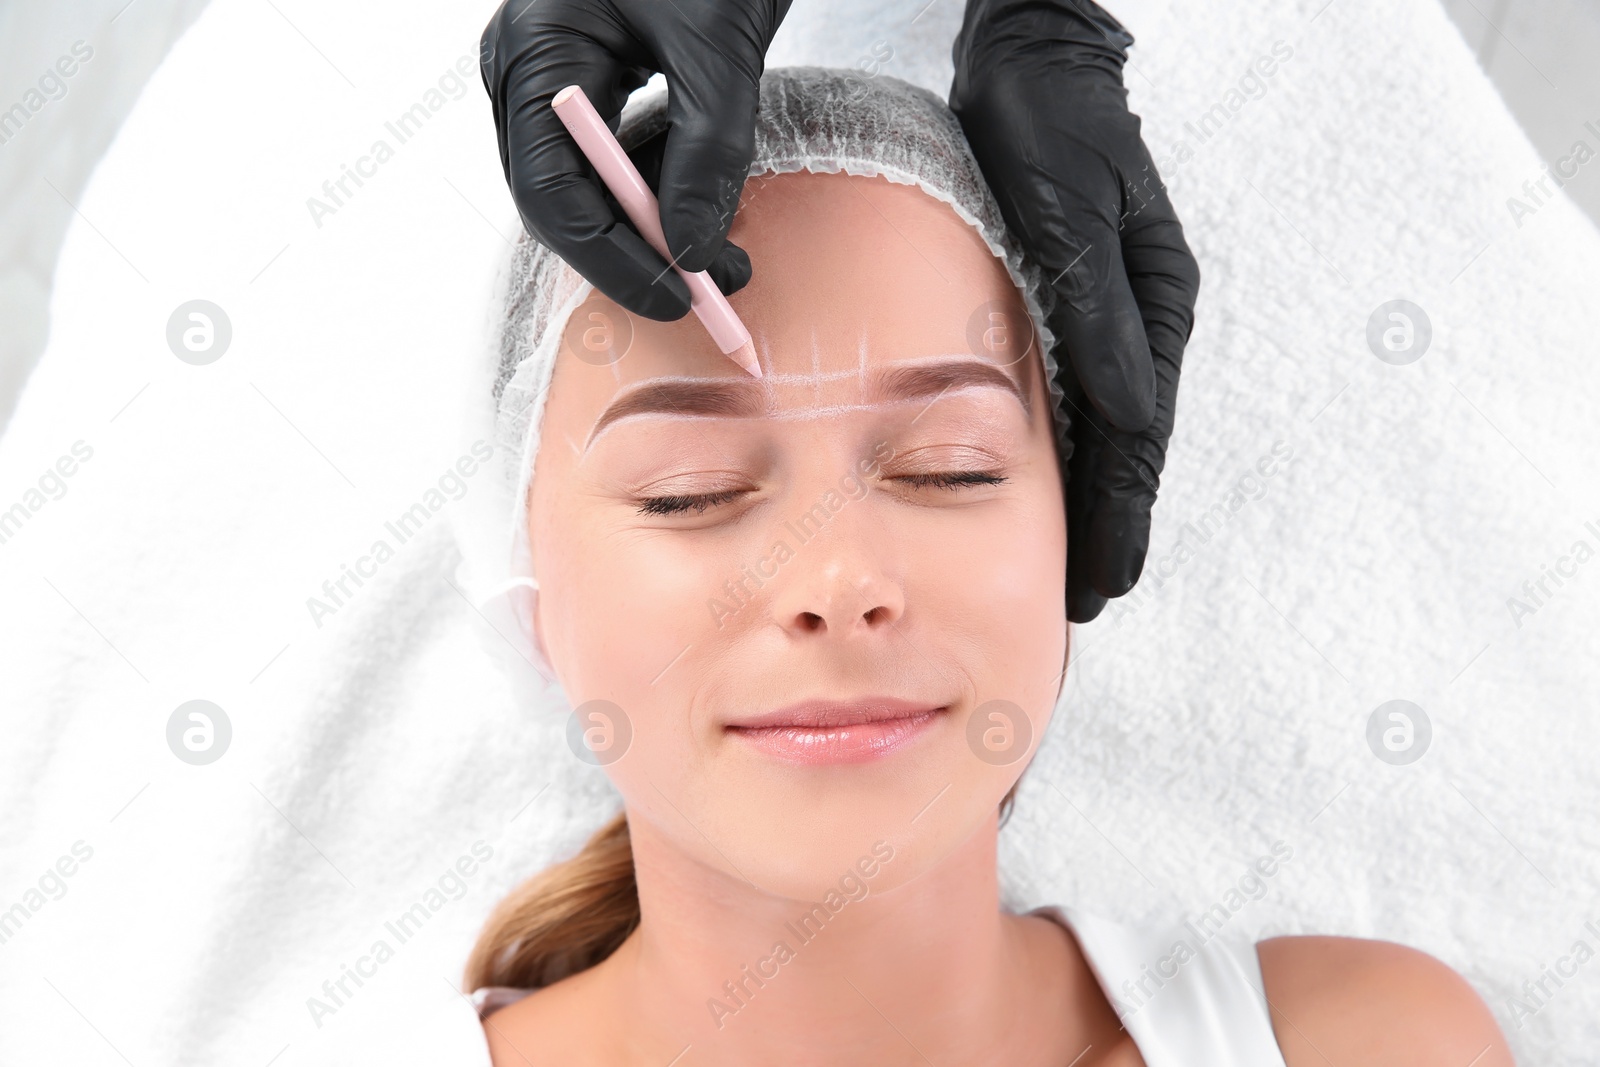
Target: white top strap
[1187,999]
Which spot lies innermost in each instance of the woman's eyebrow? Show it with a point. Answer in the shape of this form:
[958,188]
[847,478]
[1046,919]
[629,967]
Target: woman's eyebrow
[730,398]
[744,397]
[936,377]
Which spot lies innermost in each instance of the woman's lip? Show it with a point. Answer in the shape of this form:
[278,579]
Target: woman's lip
[812,714]
[856,742]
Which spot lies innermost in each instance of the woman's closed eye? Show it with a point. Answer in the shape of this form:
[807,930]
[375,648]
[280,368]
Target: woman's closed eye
[953,479]
[676,504]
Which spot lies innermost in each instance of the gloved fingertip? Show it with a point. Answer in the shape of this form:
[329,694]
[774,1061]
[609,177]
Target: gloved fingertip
[696,233]
[1141,408]
[1123,389]
[651,288]
[731,269]
[1121,540]
[1083,605]
[665,301]
[1110,354]
[1120,576]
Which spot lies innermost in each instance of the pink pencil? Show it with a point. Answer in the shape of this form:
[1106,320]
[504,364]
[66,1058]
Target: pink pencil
[580,118]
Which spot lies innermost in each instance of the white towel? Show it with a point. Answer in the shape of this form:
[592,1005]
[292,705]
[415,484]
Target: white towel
[1211,714]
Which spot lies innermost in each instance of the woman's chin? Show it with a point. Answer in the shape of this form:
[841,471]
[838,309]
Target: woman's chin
[844,845]
[803,830]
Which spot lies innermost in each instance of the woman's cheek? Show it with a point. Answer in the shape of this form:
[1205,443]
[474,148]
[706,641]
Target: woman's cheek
[1013,588]
[650,603]
[653,639]
[995,551]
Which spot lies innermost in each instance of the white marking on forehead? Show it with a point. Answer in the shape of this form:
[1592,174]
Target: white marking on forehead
[817,375]
[810,412]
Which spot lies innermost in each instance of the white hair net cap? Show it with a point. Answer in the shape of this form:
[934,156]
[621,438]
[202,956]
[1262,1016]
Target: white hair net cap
[810,119]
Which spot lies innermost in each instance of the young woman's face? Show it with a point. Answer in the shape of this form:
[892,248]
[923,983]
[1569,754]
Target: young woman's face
[881,517]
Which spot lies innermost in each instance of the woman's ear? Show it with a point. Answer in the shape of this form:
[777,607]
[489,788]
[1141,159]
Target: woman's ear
[537,631]
[532,627]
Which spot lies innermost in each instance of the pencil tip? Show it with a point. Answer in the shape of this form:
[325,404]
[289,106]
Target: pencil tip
[745,356]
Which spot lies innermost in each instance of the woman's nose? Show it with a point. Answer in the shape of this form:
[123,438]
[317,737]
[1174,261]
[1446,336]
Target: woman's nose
[843,581]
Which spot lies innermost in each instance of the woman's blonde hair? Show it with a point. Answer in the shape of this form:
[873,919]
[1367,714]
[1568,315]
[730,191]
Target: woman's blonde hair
[572,915]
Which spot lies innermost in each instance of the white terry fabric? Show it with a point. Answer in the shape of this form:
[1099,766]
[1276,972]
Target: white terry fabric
[909,39]
[810,119]
[1221,708]
[1181,1010]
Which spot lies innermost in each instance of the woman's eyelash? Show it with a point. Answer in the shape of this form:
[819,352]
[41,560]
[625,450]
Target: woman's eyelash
[676,505]
[673,505]
[953,479]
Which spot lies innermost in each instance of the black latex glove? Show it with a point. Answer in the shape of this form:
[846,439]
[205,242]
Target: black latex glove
[1038,90]
[712,52]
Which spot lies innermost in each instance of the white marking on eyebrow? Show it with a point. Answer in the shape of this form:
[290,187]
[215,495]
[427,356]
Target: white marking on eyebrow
[816,365]
[817,376]
[809,379]
[821,411]
[936,399]
[655,378]
[943,357]
[913,361]
[825,411]
[842,409]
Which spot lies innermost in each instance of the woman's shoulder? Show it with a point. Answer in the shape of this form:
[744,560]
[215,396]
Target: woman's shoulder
[558,1024]
[1349,999]
[1298,1001]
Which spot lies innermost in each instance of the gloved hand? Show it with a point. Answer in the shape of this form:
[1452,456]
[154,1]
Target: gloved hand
[1038,90]
[712,52]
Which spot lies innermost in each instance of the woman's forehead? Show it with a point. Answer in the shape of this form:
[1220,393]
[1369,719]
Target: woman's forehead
[852,277]
[693,379]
